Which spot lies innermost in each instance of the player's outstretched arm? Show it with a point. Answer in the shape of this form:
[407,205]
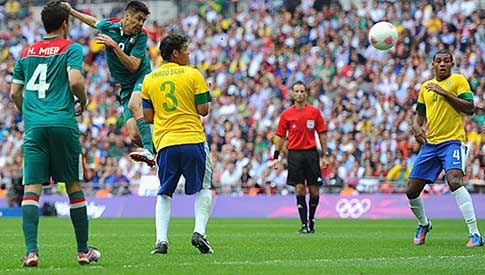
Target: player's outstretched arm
[86,18]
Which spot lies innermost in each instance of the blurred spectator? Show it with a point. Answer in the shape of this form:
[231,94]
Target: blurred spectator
[399,173]
[12,9]
[348,190]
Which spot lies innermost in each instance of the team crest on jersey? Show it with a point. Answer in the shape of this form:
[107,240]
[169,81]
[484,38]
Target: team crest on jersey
[448,83]
[310,124]
[132,40]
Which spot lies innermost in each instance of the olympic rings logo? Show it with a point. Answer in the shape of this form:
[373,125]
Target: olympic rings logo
[353,208]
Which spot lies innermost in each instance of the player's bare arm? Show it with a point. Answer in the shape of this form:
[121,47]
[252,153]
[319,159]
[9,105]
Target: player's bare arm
[278,146]
[148,114]
[322,137]
[76,81]
[86,18]
[17,95]
[417,129]
[130,62]
[461,105]
[203,109]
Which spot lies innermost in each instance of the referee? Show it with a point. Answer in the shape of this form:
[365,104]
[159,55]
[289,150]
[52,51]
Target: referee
[300,121]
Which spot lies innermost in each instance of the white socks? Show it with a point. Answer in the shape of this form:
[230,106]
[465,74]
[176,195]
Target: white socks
[464,201]
[163,211]
[202,209]
[417,206]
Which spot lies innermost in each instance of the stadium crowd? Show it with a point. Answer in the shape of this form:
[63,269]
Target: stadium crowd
[250,58]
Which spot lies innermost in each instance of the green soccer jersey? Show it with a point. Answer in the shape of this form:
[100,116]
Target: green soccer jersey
[133,45]
[43,71]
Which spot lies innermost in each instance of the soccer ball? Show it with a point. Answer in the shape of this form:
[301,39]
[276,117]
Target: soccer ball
[383,36]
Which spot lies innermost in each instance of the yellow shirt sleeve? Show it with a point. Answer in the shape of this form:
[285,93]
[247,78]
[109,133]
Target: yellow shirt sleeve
[144,88]
[463,86]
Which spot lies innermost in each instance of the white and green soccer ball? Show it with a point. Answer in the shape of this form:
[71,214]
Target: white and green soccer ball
[383,36]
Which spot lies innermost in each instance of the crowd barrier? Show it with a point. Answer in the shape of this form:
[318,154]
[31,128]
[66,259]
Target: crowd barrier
[374,206]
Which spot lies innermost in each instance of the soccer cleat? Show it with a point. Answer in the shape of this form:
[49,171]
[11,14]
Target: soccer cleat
[31,259]
[421,232]
[143,156]
[304,230]
[92,255]
[160,248]
[311,226]
[201,243]
[475,240]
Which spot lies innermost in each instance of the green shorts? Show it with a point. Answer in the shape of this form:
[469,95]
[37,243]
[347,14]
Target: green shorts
[125,95]
[52,152]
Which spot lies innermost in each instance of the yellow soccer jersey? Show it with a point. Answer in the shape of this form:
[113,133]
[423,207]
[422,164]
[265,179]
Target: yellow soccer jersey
[174,91]
[443,121]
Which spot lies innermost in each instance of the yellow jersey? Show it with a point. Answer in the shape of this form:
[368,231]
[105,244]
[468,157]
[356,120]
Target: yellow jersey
[174,91]
[444,122]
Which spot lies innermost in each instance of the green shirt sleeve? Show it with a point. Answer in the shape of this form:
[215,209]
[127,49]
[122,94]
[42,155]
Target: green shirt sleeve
[18,73]
[101,24]
[74,56]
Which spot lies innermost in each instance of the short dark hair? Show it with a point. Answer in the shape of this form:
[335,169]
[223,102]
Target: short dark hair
[443,51]
[136,6]
[299,82]
[54,14]
[170,43]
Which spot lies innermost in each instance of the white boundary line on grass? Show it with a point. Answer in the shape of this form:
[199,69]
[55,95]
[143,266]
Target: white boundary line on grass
[347,261]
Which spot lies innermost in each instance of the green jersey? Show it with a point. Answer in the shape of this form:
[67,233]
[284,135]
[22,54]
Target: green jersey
[133,45]
[43,71]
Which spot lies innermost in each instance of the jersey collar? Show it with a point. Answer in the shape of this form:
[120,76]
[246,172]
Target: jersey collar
[51,37]
[122,32]
[170,64]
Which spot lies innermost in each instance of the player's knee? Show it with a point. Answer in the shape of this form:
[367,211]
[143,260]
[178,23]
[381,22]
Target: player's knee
[454,182]
[133,107]
[300,190]
[411,193]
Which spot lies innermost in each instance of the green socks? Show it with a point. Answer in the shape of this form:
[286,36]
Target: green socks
[79,218]
[145,134]
[30,220]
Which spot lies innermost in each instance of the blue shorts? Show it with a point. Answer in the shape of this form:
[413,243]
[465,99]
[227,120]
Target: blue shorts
[190,160]
[433,158]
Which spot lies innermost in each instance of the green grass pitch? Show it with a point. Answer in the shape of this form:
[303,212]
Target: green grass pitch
[249,246]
